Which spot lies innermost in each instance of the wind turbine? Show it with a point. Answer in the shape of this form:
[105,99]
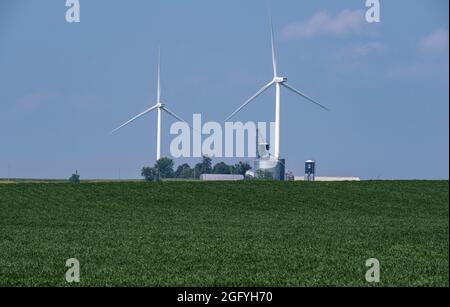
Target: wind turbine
[159,107]
[278,82]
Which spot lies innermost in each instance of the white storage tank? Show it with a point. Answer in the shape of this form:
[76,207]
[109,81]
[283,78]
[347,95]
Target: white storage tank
[310,170]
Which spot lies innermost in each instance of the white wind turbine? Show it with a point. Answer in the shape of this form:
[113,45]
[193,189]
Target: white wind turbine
[279,82]
[160,107]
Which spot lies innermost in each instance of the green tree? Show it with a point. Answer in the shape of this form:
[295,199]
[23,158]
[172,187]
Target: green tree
[241,168]
[164,168]
[186,173]
[222,168]
[184,168]
[75,178]
[197,170]
[205,167]
[149,174]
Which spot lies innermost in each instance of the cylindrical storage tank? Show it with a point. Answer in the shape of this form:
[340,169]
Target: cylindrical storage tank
[310,170]
[270,169]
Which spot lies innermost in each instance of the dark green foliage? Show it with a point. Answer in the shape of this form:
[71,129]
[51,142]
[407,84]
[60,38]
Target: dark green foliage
[164,168]
[75,178]
[222,168]
[149,174]
[241,168]
[197,170]
[256,233]
[184,171]
[206,165]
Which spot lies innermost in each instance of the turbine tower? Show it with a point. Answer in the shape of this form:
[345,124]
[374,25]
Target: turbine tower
[279,82]
[160,107]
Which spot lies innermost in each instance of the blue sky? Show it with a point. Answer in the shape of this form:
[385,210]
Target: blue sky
[65,86]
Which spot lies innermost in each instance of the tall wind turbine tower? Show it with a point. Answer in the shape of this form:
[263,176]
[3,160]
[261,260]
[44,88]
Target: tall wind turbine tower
[159,107]
[279,82]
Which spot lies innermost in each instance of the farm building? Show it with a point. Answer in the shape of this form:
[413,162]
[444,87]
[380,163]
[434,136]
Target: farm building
[216,177]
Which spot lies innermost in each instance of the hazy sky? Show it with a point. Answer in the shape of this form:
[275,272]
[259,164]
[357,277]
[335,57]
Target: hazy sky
[63,86]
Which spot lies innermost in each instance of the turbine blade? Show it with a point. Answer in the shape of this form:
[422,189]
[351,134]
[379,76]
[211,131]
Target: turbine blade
[174,115]
[274,52]
[159,77]
[265,87]
[178,118]
[134,118]
[304,96]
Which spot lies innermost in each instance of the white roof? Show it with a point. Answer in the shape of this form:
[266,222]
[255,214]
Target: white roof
[218,177]
[331,178]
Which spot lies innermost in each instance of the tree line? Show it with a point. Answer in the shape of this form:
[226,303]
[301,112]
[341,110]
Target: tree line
[164,169]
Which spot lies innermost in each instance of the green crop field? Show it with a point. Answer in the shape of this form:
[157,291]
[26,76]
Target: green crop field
[225,234]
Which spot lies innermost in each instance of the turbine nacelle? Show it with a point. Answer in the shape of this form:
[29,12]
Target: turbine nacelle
[280,80]
[160,105]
